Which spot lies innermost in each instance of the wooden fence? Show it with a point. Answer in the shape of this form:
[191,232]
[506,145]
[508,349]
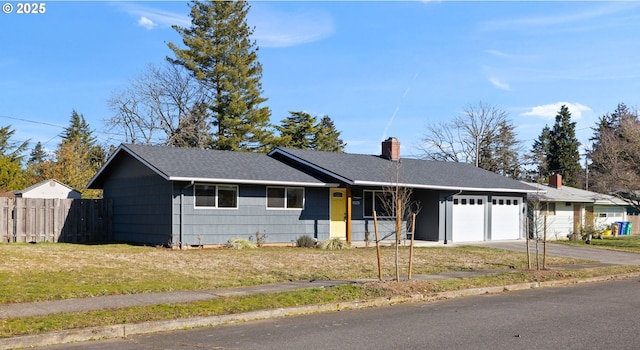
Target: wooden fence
[55,220]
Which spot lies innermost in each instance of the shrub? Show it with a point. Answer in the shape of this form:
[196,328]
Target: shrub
[240,243]
[333,244]
[261,239]
[306,241]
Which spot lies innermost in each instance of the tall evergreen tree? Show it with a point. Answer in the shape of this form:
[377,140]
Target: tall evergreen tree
[298,130]
[302,130]
[38,161]
[538,155]
[500,153]
[563,157]
[221,55]
[79,130]
[38,154]
[77,158]
[327,137]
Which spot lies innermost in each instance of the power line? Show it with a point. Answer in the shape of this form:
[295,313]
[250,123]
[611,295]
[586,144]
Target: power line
[108,138]
[32,121]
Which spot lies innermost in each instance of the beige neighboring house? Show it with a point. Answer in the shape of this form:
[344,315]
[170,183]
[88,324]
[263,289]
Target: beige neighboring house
[569,210]
[49,189]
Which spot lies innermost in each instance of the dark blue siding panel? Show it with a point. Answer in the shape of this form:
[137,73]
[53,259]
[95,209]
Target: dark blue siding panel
[141,204]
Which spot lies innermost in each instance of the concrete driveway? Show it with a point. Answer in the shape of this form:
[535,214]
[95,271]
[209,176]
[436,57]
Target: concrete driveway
[602,255]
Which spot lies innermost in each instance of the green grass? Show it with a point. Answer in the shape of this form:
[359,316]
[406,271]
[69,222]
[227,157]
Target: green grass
[311,296]
[38,272]
[620,243]
[222,306]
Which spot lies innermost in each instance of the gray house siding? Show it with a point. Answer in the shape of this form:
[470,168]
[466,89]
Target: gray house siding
[141,204]
[209,226]
[427,218]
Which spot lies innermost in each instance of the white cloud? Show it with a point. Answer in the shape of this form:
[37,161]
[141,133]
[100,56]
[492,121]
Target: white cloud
[499,84]
[147,23]
[586,15]
[497,53]
[549,111]
[282,29]
[154,17]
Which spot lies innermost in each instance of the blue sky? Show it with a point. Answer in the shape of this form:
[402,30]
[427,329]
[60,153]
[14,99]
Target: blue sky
[378,69]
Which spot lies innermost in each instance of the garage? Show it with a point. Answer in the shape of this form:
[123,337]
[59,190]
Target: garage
[468,219]
[505,218]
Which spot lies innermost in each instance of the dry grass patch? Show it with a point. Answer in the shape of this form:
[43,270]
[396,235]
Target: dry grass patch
[35,272]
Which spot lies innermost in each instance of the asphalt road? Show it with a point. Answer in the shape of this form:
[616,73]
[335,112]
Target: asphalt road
[586,316]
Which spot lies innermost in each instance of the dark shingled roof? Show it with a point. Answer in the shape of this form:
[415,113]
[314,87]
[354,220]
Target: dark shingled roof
[359,169]
[186,164]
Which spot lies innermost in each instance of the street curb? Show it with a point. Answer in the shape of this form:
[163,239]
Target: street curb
[124,330]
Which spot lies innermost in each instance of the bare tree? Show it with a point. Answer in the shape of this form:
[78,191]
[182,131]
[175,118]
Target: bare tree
[397,202]
[482,136]
[164,105]
[615,160]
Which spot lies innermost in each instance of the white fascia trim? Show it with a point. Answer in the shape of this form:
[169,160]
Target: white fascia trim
[447,188]
[254,182]
[312,166]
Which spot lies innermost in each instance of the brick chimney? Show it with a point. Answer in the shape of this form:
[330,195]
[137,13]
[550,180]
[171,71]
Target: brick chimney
[555,180]
[391,149]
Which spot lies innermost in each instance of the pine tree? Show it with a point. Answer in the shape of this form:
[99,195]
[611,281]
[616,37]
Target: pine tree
[501,156]
[77,158]
[223,58]
[302,130]
[38,161]
[37,155]
[327,137]
[563,157]
[298,130]
[539,153]
[79,130]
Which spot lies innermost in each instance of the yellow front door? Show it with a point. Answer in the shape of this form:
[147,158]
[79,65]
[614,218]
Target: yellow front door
[338,213]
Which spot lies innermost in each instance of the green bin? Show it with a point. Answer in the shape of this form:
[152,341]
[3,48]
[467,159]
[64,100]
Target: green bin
[627,230]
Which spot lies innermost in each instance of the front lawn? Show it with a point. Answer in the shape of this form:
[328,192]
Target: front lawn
[53,271]
[58,271]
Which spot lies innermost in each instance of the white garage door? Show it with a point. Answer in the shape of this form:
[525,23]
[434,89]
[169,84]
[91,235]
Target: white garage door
[468,219]
[505,218]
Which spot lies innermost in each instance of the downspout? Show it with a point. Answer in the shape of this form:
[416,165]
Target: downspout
[445,216]
[182,214]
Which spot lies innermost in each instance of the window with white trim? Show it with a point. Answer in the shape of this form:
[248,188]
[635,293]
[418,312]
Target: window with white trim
[378,201]
[216,196]
[548,208]
[285,197]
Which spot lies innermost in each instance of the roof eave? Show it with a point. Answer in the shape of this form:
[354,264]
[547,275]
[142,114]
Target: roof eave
[443,188]
[253,182]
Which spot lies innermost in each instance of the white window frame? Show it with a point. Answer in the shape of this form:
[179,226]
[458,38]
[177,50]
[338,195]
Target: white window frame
[286,199]
[216,196]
